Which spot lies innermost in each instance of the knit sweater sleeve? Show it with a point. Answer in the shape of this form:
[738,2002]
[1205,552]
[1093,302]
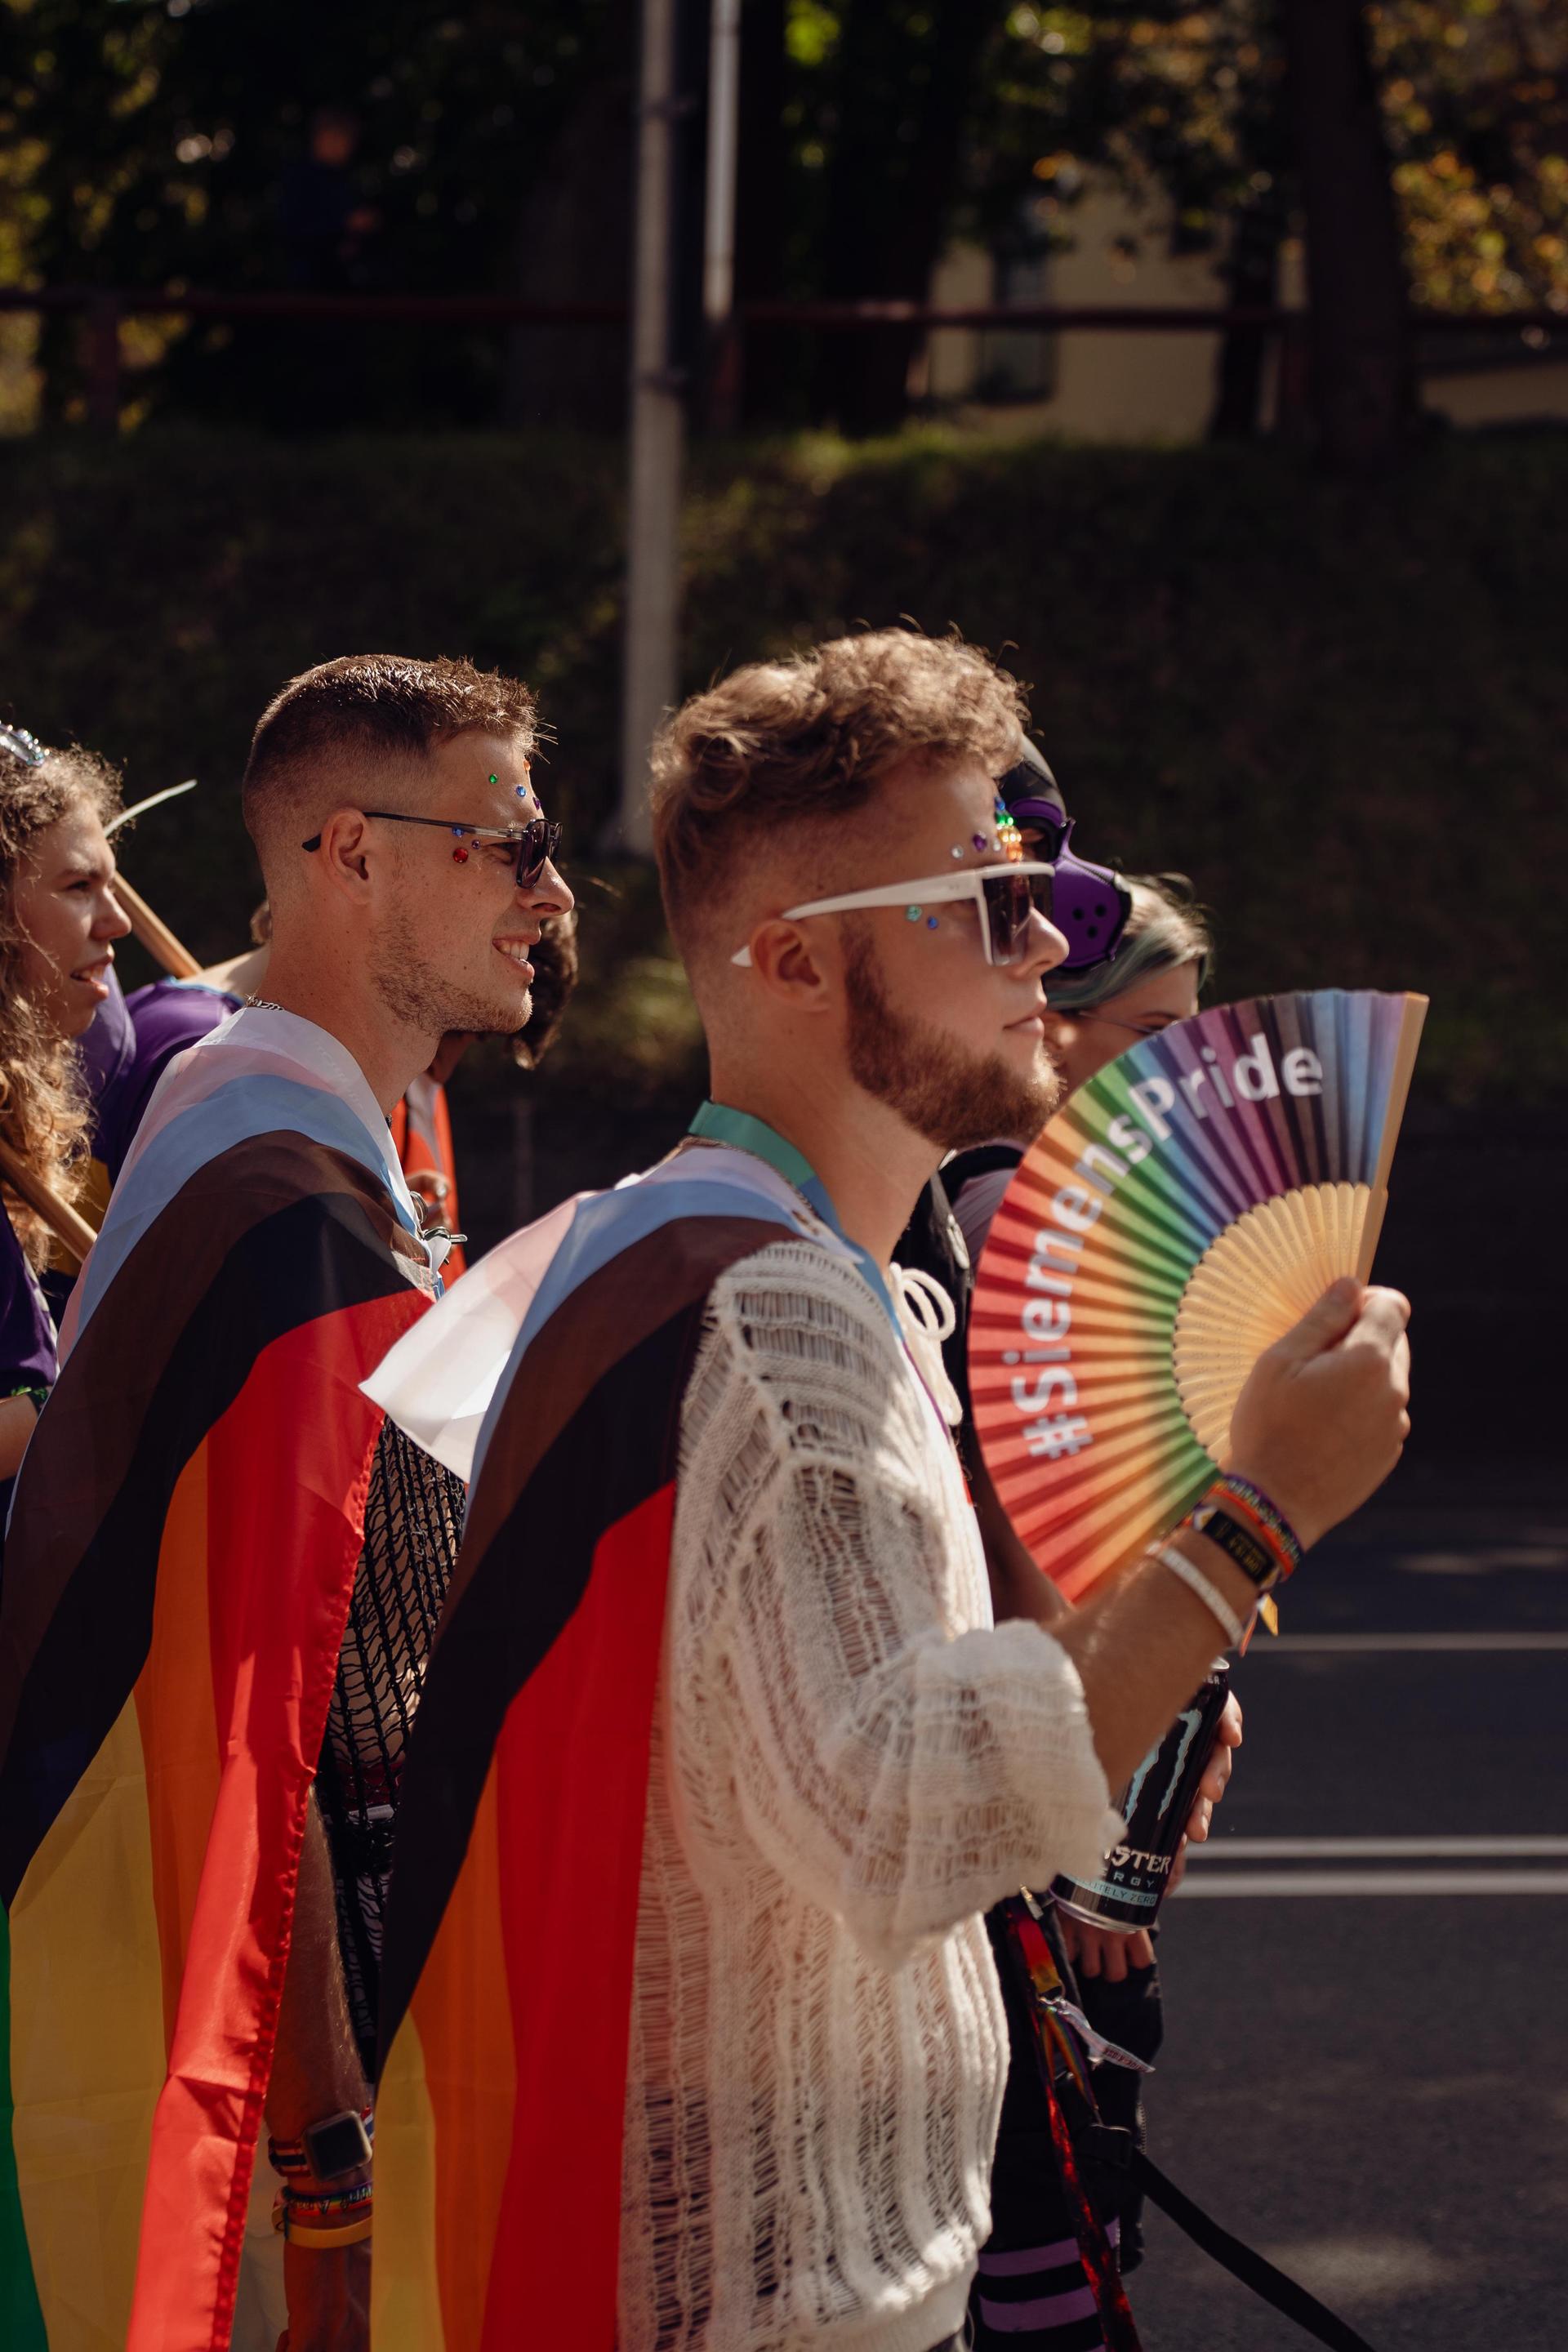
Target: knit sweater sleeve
[893,1755]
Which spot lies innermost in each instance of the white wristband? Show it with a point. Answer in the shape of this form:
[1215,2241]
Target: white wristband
[1198,1584]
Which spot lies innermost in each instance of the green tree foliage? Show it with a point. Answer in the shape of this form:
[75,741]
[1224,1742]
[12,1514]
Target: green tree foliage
[1477,103]
[144,142]
[1185,105]
[147,141]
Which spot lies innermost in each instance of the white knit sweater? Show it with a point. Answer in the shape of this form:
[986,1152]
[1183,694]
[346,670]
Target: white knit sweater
[849,1765]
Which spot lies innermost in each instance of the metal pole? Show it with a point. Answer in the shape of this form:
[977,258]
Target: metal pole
[653,519]
[723,146]
[719,214]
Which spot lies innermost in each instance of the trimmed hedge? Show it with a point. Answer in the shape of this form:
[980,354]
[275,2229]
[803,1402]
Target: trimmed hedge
[1344,713]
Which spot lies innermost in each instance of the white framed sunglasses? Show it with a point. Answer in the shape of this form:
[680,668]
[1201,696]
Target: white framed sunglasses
[1006,896]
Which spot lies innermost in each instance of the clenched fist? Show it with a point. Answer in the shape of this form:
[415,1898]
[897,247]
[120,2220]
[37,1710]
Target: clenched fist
[1322,1419]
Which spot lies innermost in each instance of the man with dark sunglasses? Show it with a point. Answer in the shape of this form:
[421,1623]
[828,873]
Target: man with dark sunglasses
[271,1555]
[706,2054]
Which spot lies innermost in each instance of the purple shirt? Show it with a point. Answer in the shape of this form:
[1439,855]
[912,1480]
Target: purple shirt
[125,1054]
[26,1328]
[132,1042]
[28,1359]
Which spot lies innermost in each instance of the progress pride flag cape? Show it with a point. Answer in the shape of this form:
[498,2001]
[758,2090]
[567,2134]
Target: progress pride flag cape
[506,1976]
[182,1551]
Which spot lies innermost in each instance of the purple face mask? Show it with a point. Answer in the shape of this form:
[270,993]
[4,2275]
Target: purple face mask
[1089,905]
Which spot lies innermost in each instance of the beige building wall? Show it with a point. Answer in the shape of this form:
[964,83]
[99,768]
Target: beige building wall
[1128,386]
[1505,396]
[1108,387]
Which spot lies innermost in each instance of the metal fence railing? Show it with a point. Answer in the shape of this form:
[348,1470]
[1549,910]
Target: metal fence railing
[103,312]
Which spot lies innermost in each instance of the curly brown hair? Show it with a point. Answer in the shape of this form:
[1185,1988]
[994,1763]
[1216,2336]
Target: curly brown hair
[788,744]
[44,1109]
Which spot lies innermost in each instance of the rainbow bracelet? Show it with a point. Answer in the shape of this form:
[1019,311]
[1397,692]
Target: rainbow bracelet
[1263,1513]
[1259,1561]
[331,2217]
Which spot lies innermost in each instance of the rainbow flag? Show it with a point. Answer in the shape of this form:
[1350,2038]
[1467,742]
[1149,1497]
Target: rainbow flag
[507,1977]
[182,1550]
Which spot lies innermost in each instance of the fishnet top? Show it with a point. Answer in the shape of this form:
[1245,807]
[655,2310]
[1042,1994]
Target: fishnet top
[413,1518]
[849,1765]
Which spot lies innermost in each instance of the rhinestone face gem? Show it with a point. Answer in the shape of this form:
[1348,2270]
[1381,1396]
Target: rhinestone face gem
[913,914]
[979,841]
[930,922]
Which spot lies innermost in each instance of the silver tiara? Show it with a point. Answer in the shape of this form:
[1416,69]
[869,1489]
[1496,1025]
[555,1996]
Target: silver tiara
[23,746]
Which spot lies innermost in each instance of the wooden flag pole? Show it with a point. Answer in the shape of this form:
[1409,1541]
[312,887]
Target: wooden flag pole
[68,1226]
[156,935]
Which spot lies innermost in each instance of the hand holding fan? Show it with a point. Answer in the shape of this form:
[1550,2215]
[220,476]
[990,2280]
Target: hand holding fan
[1188,1206]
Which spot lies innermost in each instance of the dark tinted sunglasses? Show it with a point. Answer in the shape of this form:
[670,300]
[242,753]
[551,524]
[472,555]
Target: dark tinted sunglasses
[537,842]
[1010,900]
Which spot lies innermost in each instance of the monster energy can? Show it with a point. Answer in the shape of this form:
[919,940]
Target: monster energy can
[1155,1805]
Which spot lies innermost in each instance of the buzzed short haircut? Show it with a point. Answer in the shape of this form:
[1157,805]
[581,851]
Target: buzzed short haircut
[363,710]
[796,746]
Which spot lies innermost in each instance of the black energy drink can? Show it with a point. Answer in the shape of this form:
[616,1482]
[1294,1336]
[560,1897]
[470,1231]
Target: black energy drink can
[1155,1805]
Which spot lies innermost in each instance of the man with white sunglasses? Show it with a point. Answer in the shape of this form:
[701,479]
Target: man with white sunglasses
[716,1501]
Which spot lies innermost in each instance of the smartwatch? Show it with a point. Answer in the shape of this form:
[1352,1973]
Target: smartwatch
[337,2145]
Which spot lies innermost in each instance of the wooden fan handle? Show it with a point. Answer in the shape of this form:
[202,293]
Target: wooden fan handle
[1372,1233]
[154,933]
[68,1225]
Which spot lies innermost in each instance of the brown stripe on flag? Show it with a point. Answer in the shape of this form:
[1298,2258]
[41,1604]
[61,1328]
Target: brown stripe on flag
[86,1442]
[603,1320]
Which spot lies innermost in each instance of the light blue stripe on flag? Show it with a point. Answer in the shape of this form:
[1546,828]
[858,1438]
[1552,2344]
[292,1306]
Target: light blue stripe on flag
[248,1107]
[609,1222]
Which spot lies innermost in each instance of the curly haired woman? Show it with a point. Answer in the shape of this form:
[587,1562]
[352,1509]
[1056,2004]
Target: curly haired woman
[58,920]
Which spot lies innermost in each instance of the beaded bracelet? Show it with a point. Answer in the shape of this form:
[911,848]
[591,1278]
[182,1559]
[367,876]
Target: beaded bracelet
[321,2204]
[333,2217]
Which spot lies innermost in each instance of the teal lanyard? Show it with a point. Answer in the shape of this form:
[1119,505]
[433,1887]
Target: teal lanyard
[717,1123]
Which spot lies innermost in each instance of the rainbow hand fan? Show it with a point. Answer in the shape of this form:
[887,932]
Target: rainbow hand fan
[1188,1206]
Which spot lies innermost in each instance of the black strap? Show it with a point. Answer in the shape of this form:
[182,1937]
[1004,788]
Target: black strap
[979,1160]
[1282,2294]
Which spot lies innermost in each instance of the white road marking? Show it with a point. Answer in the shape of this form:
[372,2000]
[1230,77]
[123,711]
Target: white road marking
[1219,1885]
[1297,1646]
[1383,1849]
[1491,1562]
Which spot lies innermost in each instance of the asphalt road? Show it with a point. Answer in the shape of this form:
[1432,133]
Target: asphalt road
[1366,2063]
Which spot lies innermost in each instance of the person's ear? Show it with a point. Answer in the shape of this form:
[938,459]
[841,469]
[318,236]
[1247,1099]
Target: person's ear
[793,967]
[343,855]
